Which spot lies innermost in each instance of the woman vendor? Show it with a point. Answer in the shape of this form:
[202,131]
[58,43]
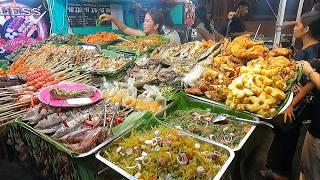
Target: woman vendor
[153,23]
[283,147]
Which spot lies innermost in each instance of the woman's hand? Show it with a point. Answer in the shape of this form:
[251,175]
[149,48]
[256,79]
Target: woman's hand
[289,115]
[297,88]
[307,69]
[106,17]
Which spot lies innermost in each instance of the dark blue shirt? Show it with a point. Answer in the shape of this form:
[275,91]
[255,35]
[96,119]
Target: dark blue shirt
[311,52]
[312,111]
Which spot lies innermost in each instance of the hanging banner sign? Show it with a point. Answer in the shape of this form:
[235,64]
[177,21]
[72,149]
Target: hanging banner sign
[22,22]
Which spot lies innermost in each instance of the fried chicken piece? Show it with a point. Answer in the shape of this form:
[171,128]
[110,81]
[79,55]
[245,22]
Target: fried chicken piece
[280,52]
[194,90]
[243,47]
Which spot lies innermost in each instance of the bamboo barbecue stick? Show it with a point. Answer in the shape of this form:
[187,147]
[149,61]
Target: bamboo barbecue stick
[78,78]
[59,64]
[10,94]
[20,114]
[11,111]
[65,71]
[10,117]
[7,112]
[15,104]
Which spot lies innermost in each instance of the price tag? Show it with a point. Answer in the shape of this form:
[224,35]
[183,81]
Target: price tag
[79,101]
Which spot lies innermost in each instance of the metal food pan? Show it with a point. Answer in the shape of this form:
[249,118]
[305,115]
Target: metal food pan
[246,137]
[284,106]
[219,175]
[60,145]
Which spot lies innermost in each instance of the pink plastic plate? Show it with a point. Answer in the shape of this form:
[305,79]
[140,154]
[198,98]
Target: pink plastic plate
[46,98]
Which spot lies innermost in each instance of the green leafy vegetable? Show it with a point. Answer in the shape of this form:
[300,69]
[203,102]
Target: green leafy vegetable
[98,22]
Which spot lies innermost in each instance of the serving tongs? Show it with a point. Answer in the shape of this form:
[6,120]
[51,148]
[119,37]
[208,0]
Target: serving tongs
[223,117]
[115,111]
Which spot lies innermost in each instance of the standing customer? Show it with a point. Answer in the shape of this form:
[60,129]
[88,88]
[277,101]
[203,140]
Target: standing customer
[283,147]
[167,28]
[205,29]
[310,160]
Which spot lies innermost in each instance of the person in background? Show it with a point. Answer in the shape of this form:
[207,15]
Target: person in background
[223,30]
[310,160]
[153,22]
[205,30]
[236,26]
[167,28]
[284,145]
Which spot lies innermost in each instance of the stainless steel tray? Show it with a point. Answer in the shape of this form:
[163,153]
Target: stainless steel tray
[245,138]
[285,106]
[219,175]
[60,146]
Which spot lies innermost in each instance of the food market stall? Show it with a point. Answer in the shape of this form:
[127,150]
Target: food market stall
[152,78]
[196,105]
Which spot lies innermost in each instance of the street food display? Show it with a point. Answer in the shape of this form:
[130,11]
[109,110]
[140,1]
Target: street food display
[50,55]
[246,76]
[200,122]
[244,48]
[189,52]
[155,73]
[142,44]
[15,99]
[215,79]
[99,38]
[261,86]
[126,95]
[50,91]
[182,156]
[80,129]
[106,64]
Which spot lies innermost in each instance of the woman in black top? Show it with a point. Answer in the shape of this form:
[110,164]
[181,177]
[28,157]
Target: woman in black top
[310,160]
[283,147]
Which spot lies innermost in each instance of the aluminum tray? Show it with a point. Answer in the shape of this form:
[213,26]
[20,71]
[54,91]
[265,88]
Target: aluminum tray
[60,146]
[245,138]
[105,72]
[284,107]
[219,175]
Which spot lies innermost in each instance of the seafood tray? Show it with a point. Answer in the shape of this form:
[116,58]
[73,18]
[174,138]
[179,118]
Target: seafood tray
[225,153]
[183,102]
[86,121]
[60,146]
[154,73]
[116,62]
[189,53]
